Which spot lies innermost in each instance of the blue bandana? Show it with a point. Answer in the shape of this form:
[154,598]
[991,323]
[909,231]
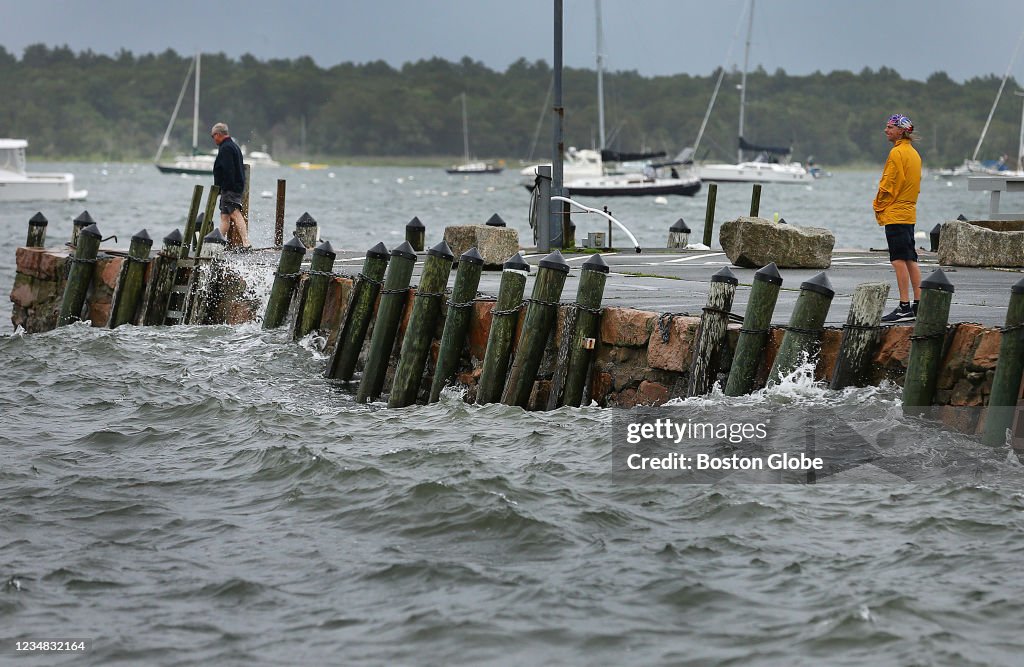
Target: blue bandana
[901,121]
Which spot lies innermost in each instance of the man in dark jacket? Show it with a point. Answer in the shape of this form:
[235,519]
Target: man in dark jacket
[229,175]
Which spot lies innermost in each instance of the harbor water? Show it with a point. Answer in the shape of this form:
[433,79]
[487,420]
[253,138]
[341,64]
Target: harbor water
[202,495]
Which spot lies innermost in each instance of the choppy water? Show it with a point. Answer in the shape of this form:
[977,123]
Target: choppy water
[201,495]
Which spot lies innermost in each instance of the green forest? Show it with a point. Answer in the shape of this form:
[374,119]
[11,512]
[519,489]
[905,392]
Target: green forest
[98,107]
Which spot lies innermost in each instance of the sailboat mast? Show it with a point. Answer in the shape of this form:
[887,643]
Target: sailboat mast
[195,111]
[743,80]
[1020,144]
[600,75]
[174,114]
[465,130]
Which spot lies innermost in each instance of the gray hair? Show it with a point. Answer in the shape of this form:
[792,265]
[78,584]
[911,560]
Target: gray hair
[219,128]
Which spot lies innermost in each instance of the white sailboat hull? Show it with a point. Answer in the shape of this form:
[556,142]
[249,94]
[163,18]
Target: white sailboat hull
[755,172]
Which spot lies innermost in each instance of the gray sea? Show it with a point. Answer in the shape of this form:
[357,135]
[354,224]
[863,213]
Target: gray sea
[203,496]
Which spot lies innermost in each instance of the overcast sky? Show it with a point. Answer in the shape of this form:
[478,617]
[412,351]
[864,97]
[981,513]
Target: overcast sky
[964,38]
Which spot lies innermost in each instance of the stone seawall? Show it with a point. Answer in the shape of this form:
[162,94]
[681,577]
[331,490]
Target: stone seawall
[641,357]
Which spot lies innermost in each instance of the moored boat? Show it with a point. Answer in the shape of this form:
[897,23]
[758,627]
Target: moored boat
[18,184]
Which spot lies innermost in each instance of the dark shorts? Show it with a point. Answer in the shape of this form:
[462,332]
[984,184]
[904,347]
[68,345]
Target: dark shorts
[901,242]
[230,202]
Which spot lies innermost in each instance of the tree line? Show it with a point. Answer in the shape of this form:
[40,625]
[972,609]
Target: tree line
[93,106]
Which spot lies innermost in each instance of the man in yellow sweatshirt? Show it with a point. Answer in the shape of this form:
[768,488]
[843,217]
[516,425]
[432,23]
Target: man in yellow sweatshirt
[896,209]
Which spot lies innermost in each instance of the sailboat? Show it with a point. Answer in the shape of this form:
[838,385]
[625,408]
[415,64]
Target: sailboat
[467,167]
[976,167]
[771,164]
[198,163]
[589,172]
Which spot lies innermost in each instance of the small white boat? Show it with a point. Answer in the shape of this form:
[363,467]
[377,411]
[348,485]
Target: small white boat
[756,172]
[17,184]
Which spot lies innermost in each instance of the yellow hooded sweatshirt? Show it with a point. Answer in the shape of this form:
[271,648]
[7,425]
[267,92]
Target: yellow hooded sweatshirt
[896,201]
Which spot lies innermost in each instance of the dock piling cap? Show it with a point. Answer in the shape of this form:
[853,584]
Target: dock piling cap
[442,250]
[295,244]
[595,263]
[215,237]
[325,249]
[92,230]
[495,221]
[38,220]
[143,238]
[306,220]
[938,281]
[379,251]
[1018,287]
[415,224]
[769,274]
[819,284]
[174,238]
[679,226]
[471,256]
[724,275]
[83,219]
[554,261]
[516,263]
[404,250]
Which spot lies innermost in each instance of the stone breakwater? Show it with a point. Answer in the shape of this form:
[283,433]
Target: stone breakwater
[639,357]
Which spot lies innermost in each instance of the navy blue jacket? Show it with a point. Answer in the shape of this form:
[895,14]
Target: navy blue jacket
[228,172]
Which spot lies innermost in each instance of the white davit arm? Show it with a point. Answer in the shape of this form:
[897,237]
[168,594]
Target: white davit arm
[636,244]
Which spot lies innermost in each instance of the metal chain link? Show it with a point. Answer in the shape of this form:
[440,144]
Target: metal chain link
[807,332]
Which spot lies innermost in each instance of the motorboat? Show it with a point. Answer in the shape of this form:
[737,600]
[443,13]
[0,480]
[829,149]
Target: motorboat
[18,184]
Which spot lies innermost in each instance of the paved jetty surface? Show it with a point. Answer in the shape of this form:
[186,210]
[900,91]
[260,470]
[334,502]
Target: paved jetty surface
[676,281]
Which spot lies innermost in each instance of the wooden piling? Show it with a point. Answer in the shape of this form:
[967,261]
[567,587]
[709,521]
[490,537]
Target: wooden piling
[161,280]
[393,298]
[678,235]
[205,281]
[859,336]
[709,213]
[130,283]
[81,222]
[582,346]
[36,231]
[714,325]
[456,323]
[755,200]
[504,317]
[803,335]
[319,277]
[754,333]
[418,336]
[247,168]
[416,234]
[285,280]
[541,311]
[307,230]
[1006,382]
[358,314]
[208,218]
[926,343]
[83,268]
[282,185]
[192,223]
